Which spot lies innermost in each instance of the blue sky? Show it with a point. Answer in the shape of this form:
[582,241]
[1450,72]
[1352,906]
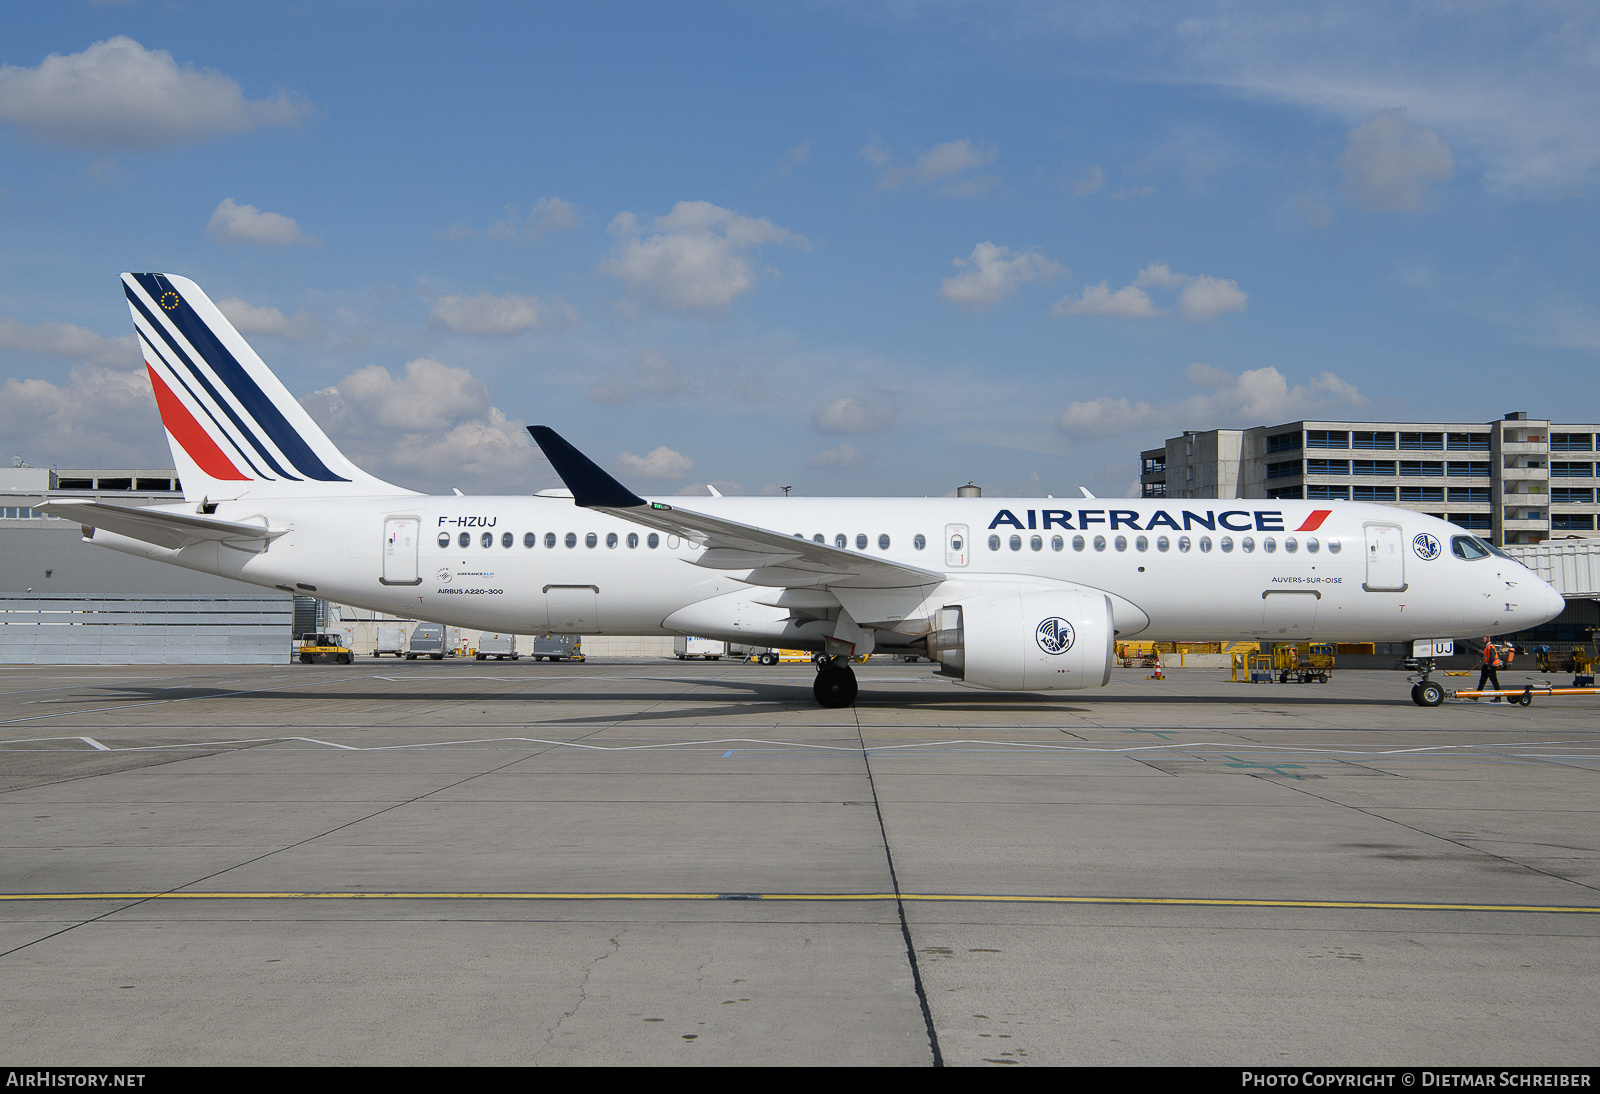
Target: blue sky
[849,248]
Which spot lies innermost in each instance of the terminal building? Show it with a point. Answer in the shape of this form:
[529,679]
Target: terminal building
[1516,481]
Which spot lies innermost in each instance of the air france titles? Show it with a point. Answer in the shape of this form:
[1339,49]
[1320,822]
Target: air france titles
[1232,520]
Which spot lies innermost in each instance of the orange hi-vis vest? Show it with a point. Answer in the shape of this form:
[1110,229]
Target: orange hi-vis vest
[1491,656]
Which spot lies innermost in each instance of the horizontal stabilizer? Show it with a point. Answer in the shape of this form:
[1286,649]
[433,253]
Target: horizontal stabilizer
[164,529]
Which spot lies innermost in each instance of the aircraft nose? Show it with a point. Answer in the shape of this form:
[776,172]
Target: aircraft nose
[1551,602]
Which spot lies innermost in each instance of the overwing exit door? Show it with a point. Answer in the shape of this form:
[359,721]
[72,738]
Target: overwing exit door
[957,545]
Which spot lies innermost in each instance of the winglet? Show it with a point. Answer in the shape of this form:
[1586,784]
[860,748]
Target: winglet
[591,487]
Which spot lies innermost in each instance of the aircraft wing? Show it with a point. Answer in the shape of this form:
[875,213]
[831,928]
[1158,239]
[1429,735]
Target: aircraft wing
[161,528]
[773,558]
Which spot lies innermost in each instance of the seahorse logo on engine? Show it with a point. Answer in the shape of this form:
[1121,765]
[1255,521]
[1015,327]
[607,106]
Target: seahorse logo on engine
[1054,635]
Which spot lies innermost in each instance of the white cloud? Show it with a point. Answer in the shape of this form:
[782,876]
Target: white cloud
[795,157]
[548,215]
[1254,397]
[1091,180]
[103,415]
[232,223]
[1103,417]
[1199,297]
[1208,297]
[508,313]
[992,274]
[698,258]
[661,463]
[117,94]
[842,458]
[654,377]
[302,326]
[431,426]
[1390,163]
[846,415]
[67,341]
[947,167]
[1130,302]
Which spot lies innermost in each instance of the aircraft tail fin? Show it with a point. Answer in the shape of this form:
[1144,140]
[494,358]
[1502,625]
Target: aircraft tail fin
[233,427]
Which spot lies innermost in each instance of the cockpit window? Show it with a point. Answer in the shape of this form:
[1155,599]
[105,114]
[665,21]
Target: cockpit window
[1493,550]
[1468,547]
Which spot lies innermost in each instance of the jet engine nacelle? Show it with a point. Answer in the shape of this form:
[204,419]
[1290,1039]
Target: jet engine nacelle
[1028,640]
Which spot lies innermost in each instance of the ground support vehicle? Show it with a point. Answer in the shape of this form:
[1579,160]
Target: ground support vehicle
[324,648]
[499,646]
[1305,662]
[557,647]
[390,640]
[427,640]
[685,647]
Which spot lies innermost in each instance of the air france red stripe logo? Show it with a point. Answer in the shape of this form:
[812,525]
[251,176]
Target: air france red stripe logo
[1314,521]
[189,433]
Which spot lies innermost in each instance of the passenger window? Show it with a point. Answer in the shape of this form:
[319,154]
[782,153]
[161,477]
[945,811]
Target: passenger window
[1333,546]
[1077,543]
[507,539]
[1016,543]
[1162,543]
[1056,543]
[529,539]
[883,543]
[633,540]
[1312,546]
[839,541]
[1226,543]
[549,539]
[919,541]
[465,539]
[1099,543]
[1205,545]
[1248,543]
[1269,545]
[994,543]
[1291,545]
[1140,543]
[1036,544]
[955,543]
[652,541]
[487,539]
[861,541]
[1122,543]
[571,540]
[444,539]
[818,538]
[590,540]
[611,539]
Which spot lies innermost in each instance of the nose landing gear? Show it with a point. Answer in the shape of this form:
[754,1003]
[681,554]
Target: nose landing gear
[835,685]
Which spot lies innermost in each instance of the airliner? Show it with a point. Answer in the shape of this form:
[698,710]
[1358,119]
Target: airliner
[1006,594]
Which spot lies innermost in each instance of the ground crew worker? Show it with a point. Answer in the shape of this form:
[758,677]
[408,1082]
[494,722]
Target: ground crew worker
[1491,662]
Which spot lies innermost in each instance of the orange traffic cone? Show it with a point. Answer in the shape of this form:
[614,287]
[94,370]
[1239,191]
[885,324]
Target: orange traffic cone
[1157,674]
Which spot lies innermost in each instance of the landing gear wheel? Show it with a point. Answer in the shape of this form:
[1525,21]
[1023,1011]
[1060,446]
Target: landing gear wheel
[1416,694]
[835,686]
[1429,694]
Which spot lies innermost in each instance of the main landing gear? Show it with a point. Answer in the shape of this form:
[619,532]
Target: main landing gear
[835,685]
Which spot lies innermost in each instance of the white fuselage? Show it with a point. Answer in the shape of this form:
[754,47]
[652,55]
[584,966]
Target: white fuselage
[1201,570]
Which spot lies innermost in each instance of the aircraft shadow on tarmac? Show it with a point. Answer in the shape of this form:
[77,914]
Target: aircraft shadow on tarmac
[778,697]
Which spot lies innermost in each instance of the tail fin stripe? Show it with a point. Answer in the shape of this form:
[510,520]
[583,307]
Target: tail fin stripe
[171,344]
[241,384]
[199,402]
[191,434]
